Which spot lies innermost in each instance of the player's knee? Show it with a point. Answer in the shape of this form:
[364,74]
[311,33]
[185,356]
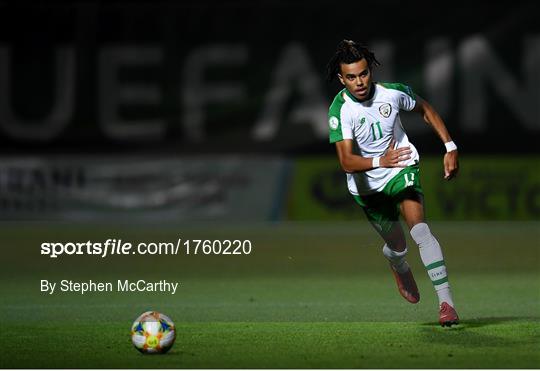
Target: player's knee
[393,254]
[420,233]
[397,245]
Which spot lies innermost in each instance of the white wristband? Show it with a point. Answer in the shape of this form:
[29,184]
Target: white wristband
[375,162]
[450,146]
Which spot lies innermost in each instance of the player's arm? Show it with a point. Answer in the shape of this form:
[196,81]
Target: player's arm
[352,163]
[451,164]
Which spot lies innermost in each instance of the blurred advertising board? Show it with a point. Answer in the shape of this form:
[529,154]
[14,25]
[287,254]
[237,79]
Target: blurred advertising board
[147,189]
[487,188]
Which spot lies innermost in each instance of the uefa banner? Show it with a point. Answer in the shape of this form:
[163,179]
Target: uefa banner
[97,75]
[487,188]
[146,189]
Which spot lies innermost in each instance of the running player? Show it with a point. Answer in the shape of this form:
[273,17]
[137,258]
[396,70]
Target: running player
[382,166]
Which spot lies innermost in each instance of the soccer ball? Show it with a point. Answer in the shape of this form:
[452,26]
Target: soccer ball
[153,332]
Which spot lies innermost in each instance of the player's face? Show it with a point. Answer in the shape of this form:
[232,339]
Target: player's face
[357,78]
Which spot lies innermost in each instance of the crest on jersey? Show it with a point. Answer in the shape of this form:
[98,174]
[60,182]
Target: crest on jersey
[385,110]
[333,121]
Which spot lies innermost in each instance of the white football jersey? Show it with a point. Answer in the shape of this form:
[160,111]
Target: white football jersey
[371,125]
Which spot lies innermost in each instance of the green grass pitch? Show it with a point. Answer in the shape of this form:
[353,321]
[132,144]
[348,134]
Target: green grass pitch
[311,295]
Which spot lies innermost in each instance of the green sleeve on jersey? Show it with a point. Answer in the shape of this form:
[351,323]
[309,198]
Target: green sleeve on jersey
[398,86]
[334,118]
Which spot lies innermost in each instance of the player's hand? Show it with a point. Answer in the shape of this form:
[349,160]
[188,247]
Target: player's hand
[395,157]
[451,165]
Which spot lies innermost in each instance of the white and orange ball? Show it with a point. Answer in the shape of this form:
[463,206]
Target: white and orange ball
[153,332]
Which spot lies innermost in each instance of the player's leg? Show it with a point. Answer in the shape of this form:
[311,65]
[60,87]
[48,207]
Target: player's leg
[395,250]
[412,209]
[385,221]
[383,214]
[395,247]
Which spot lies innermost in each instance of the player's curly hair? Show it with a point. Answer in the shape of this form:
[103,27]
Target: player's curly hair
[348,52]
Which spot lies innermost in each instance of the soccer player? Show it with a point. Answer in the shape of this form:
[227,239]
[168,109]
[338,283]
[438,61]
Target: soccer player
[382,166]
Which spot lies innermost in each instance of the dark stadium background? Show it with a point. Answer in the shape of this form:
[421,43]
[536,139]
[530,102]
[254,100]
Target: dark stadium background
[159,42]
[154,120]
[118,82]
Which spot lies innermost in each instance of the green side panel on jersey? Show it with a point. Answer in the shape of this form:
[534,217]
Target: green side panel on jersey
[399,86]
[334,113]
